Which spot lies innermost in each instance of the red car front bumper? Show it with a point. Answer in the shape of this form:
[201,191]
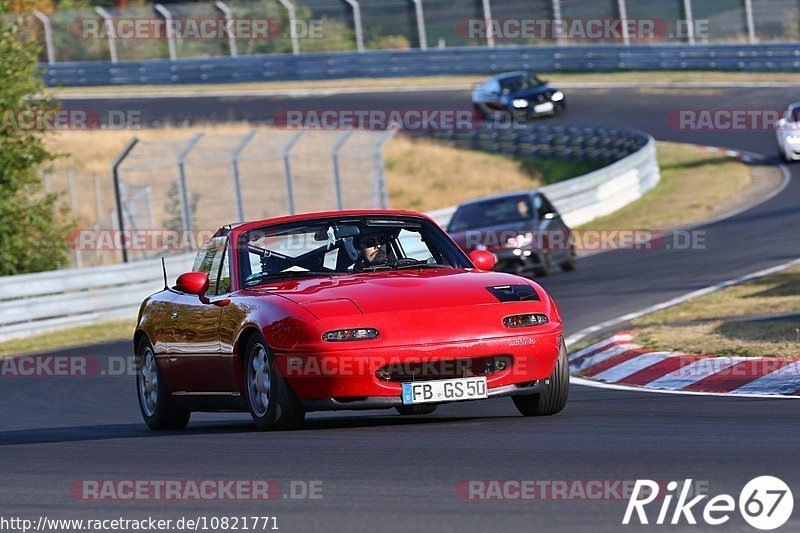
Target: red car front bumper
[359,372]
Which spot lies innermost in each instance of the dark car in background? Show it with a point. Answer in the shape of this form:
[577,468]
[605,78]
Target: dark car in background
[518,94]
[523,230]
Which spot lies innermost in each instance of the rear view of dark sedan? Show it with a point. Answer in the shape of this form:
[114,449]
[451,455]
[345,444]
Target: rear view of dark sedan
[516,95]
[523,230]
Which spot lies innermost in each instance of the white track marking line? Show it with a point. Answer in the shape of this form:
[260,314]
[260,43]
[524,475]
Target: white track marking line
[574,380]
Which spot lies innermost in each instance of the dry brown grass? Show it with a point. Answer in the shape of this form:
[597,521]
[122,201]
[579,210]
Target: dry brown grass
[422,175]
[697,180]
[731,322]
[113,330]
[726,339]
[777,293]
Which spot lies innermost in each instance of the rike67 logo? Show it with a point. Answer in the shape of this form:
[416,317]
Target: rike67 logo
[765,503]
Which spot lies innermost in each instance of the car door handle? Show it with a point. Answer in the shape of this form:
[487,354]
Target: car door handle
[174,315]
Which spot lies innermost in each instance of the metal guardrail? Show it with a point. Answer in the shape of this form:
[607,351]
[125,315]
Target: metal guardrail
[431,62]
[46,301]
[633,172]
[33,303]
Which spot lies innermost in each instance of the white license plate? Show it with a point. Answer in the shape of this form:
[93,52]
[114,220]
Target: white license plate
[444,390]
[543,108]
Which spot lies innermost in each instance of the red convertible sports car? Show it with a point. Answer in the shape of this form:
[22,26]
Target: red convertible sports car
[344,310]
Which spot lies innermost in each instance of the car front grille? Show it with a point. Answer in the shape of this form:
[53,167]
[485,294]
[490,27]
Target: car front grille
[444,369]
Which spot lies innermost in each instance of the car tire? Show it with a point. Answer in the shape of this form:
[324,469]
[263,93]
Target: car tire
[420,409]
[553,399]
[571,263]
[156,404]
[544,268]
[271,401]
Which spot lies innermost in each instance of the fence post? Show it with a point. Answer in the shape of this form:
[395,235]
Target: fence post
[423,36]
[380,196]
[487,17]
[48,35]
[173,55]
[751,28]
[98,196]
[337,182]
[357,24]
[228,14]
[292,25]
[687,11]
[186,215]
[237,187]
[112,33]
[287,169]
[557,22]
[118,195]
[622,7]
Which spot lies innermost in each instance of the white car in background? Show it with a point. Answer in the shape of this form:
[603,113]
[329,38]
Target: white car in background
[788,133]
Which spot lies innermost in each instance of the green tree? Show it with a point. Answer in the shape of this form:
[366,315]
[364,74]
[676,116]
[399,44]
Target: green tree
[32,232]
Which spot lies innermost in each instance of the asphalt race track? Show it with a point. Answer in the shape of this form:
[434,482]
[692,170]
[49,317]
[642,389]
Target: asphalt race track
[380,472]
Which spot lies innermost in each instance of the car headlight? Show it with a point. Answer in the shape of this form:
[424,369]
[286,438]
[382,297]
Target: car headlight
[793,139]
[557,96]
[519,103]
[357,334]
[522,321]
[520,240]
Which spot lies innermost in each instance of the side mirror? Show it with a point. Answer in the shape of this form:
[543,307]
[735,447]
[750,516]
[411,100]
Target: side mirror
[482,259]
[193,283]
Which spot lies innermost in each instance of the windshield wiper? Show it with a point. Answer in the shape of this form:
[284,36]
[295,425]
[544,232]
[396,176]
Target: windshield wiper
[258,278]
[413,263]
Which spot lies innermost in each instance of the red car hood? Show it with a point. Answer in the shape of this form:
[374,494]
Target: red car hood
[381,292]
[410,306]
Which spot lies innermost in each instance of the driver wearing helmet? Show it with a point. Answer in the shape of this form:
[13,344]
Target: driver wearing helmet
[373,248]
[368,249]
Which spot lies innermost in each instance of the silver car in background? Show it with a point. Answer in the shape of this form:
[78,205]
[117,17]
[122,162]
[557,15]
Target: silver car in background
[788,133]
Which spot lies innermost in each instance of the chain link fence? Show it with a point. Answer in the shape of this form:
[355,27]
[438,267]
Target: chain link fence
[236,28]
[175,194]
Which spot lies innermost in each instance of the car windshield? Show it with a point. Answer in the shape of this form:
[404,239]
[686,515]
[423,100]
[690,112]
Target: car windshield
[792,115]
[493,212]
[522,82]
[330,247]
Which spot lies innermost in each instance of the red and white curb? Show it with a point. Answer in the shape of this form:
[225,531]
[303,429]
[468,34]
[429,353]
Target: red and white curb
[618,360]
